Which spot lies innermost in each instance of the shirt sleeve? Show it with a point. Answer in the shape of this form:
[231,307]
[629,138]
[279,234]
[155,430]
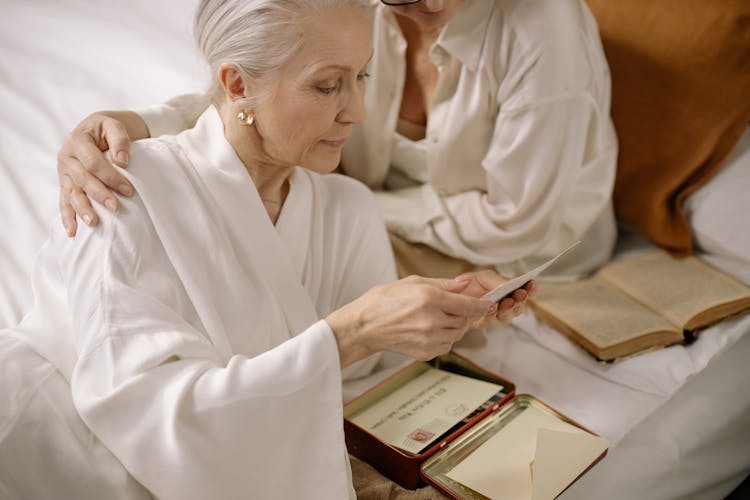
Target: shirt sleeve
[178,114]
[545,188]
[549,175]
[186,421]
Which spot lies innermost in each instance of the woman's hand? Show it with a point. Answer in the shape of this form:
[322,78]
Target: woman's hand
[481,282]
[84,171]
[419,317]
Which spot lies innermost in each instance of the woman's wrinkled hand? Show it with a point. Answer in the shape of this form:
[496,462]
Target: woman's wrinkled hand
[418,317]
[83,170]
[509,307]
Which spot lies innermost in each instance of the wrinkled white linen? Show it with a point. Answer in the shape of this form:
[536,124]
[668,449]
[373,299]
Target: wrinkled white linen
[188,325]
[61,60]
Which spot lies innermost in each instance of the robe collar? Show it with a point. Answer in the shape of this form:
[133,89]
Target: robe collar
[255,241]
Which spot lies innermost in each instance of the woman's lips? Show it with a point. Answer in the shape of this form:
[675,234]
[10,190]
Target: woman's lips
[334,143]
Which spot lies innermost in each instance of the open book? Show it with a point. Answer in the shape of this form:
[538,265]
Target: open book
[641,303]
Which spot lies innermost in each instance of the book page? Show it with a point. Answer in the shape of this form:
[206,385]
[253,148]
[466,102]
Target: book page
[502,466]
[679,289]
[599,316]
[423,409]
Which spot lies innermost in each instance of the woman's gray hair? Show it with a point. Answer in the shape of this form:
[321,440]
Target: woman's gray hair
[258,36]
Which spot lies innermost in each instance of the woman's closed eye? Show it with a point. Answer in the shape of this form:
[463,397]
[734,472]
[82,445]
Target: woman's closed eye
[327,88]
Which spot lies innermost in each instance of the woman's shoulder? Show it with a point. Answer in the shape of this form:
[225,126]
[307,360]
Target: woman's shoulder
[343,196]
[526,13]
[340,188]
[154,147]
[555,41]
[549,24]
[148,154]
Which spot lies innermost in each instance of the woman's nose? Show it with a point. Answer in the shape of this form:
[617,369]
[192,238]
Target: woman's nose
[354,108]
[434,5]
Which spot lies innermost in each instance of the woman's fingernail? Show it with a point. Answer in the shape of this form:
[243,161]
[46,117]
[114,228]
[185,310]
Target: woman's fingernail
[492,310]
[110,204]
[122,157]
[87,219]
[68,228]
[462,278]
[126,189]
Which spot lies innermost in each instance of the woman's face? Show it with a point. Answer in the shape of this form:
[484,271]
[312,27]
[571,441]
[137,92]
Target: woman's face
[309,111]
[430,14]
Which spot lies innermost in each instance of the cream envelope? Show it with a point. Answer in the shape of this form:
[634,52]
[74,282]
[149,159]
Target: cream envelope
[561,456]
[502,466]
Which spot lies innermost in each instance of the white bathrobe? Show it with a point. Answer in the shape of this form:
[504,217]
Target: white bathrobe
[189,330]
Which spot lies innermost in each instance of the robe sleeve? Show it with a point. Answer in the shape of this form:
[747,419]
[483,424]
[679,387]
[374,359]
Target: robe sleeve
[545,188]
[186,421]
[177,114]
[368,259]
[364,260]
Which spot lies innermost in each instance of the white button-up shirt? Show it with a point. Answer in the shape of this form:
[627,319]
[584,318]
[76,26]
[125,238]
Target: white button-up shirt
[521,150]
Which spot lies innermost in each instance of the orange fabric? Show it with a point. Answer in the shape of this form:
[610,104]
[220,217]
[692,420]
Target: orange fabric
[680,100]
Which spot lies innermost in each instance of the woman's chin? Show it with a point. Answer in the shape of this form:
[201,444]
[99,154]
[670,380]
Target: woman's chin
[323,163]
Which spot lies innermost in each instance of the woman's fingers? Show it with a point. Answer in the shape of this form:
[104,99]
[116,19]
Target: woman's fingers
[519,295]
[415,316]
[505,305]
[116,138]
[435,343]
[95,166]
[66,209]
[82,206]
[448,297]
[82,162]
[463,305]
[451,322]
[87,183]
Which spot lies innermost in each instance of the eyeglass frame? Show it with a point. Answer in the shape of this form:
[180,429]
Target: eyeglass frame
[400,4]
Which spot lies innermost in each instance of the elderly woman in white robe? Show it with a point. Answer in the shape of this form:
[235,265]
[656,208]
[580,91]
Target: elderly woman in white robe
[192,346]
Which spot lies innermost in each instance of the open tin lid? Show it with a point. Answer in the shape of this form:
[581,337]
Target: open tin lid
[523,450]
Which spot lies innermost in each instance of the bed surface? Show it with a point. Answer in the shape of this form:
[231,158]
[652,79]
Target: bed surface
[678,419]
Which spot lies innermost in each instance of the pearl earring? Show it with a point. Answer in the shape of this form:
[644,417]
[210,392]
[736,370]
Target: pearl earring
[246,119]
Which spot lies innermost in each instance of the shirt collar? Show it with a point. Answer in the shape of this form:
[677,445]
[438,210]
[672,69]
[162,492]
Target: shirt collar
[463,36]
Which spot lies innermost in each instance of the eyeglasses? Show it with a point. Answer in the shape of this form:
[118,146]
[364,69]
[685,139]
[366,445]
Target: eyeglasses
[396,3]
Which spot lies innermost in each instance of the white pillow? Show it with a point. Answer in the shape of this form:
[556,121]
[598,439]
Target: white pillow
[719,212]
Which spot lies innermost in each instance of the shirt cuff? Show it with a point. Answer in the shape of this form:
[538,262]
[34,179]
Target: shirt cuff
[409,212]
[174,116]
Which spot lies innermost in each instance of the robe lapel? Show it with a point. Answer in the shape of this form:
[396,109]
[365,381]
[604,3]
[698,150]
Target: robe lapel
[254,238]
[295,222]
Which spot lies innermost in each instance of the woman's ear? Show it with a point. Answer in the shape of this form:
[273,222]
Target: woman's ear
[232,82]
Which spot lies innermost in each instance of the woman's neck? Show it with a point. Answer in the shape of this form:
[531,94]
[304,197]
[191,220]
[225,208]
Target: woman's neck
[272,183]
[417,37]
[271,180]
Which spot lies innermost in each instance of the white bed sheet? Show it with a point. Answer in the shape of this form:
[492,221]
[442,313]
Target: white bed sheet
[678,419]
[60,60]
